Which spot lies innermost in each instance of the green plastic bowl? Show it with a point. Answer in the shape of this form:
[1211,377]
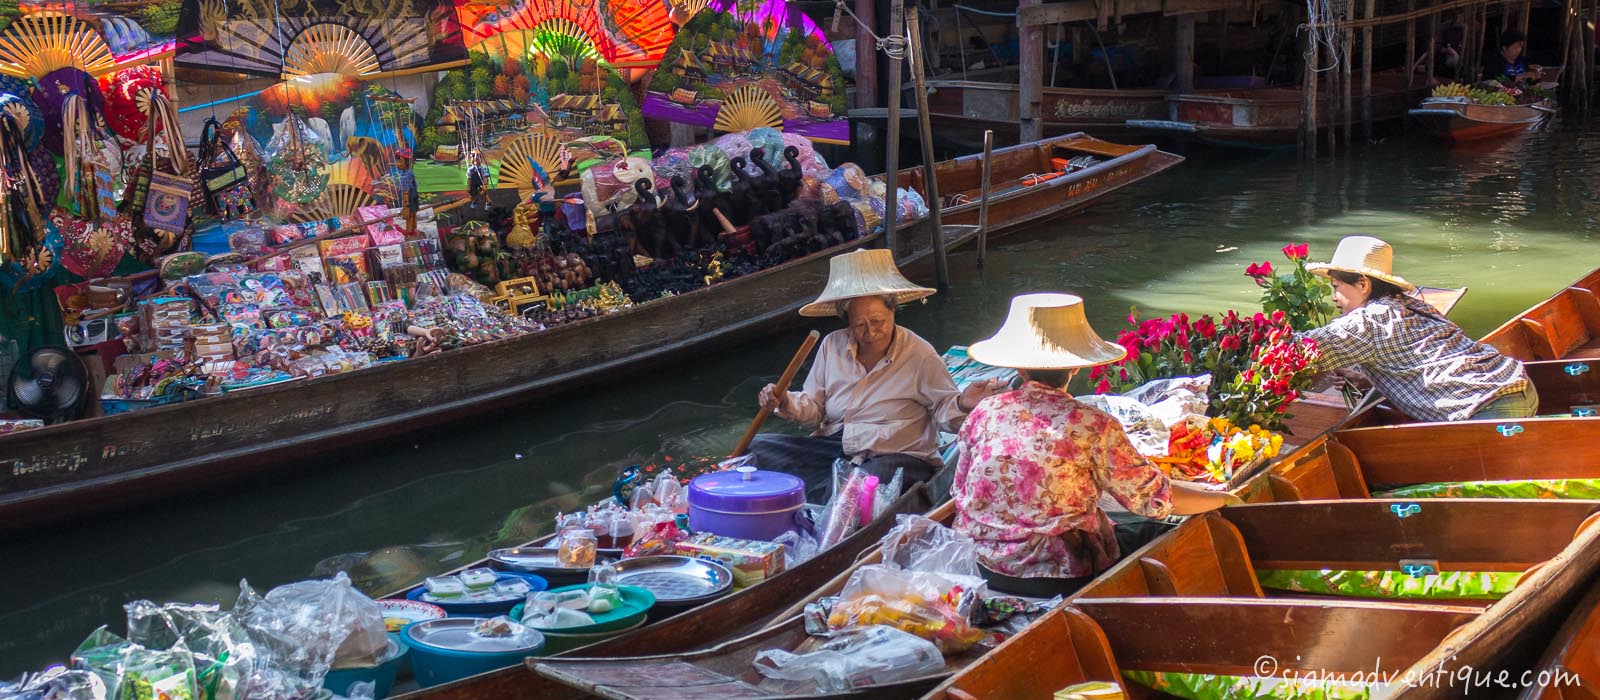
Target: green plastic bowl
[636,603]
[555,642]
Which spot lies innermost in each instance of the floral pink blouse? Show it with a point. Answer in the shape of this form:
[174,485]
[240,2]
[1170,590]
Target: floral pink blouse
[1033,465]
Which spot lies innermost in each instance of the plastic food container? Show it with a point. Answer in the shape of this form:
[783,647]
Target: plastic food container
[447,650]
[483,603]
[381,676]
[746,503]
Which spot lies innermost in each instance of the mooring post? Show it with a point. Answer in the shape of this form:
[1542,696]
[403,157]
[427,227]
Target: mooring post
[930,174]
[983,198]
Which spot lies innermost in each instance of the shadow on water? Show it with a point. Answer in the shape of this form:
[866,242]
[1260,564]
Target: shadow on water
[1512,219]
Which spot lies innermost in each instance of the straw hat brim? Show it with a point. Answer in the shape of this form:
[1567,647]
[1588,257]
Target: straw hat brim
[996,352]
[1396,280]
[1046,331]
[828,305]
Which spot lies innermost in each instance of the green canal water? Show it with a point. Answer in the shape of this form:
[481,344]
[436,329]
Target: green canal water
[1513,221]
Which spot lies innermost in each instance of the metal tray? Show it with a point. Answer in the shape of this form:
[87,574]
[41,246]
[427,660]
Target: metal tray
[675,580]
[543,560]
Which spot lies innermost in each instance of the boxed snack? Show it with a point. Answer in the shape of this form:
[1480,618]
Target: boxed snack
[752,561]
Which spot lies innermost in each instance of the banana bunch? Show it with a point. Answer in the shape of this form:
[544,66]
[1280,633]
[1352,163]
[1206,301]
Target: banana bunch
[1451,90]
[1496,98]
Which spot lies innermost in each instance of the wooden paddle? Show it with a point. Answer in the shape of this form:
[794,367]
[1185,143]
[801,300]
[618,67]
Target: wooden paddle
[782,385]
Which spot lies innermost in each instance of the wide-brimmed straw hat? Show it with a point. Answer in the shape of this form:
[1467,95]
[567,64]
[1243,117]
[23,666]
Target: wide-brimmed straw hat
[1046,330]
[1363,255]
[863,273]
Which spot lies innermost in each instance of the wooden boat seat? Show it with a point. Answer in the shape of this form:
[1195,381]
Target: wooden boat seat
[1544,448]
[1063,648]
[1229,636]
[1565,325]
[1219,554]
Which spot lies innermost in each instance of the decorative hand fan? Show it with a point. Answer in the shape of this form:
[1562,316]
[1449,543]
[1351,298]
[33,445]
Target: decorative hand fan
[127,94]
[625,33]
[23,110]
[528,163]
[46,41]
[330,48]
[749,107]
[733,48]
[351,171]
[337,201]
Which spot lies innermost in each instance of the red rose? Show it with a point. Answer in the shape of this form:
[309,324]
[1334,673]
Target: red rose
[1104,387]
[1296,252]
[1231,342]
[1265,270]
[1206,328]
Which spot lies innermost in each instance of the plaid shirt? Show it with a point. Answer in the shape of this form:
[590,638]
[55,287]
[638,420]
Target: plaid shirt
[1426,366]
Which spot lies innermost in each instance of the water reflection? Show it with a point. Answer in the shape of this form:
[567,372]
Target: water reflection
[1513,220]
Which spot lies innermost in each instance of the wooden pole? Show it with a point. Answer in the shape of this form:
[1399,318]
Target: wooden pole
[1411,47]
[930,174]
[1522,16]
[1432,47]
[983,198]
[1366,74]
[1030,92]
[1308,99]
[891,174]
[1345,115]
[1183,53]
[783,384]
[1593,10]
[866,54]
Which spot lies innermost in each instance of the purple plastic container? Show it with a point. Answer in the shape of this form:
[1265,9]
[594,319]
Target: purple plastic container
[747,503]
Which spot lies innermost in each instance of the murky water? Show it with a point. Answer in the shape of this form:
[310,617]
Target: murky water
[1513,221]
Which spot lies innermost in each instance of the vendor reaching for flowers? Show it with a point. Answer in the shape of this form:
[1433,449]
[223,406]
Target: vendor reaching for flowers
[1425,365]
[1035,461]
[876,393]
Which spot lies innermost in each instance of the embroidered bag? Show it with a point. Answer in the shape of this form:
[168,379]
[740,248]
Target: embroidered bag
[226,181]
[167,206]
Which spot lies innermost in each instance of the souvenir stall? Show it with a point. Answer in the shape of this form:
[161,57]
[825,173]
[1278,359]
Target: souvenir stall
[307,188]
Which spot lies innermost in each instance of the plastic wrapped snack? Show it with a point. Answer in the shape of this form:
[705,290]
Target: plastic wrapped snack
[55,683]
[935,607]
[871,655]
[307,627]
[919,544]
[224,657]
[129,670]
[478,578]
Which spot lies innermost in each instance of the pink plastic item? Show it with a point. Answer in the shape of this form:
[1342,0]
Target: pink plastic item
[867,496]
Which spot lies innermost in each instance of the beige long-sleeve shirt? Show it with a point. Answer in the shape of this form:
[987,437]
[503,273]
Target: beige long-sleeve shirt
[898,406]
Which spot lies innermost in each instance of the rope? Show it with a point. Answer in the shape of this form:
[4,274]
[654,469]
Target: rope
[1322,28]
[986,13]
[893,46]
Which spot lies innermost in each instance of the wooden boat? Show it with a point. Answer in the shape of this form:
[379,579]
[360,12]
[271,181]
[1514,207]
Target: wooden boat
[988,99]
[1568,670]
[1459,120]
[1263,118]
[1191,601]
[1096,642]
[71,469]
[1558,341]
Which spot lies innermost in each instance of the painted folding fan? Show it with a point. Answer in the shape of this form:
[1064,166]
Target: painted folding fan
[740,64]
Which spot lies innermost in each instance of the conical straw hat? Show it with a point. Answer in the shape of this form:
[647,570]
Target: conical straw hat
[1363,255]
[863,273]
[1046,331]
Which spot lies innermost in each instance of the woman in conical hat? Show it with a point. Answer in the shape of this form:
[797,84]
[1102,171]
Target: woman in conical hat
[876,394]
[1035,461]
[1423,364]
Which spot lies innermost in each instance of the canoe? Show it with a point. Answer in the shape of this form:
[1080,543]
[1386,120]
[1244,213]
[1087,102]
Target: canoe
[73,469]
[1568,669]
[1458,120]
[1264,117]
[1558,341]
[1191,602]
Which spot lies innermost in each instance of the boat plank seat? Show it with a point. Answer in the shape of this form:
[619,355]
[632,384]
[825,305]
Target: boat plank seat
[1204,557]
[1539,448]
[1228,636]
[1063,648]
[1322,470]
[1574,653]
[1478,535]
[1566,325]
[1565,384]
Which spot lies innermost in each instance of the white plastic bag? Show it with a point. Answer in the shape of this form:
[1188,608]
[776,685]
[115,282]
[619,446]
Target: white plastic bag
[305,628]
[871,655]
[917,543]
[1172,400]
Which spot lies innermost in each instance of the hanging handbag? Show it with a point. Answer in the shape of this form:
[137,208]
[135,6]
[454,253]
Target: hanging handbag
[166,207]
[224,177]
[30,249]
[91,163]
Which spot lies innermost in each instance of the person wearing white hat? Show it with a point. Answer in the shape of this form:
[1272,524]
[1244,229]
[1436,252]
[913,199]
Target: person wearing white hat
[877,394]
[1426,366]
[1035,461]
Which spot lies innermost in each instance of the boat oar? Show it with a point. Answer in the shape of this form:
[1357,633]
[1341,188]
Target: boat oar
[783,385]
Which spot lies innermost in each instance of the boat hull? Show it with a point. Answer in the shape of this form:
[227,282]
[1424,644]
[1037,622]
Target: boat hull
[1455,122]
[1262,117]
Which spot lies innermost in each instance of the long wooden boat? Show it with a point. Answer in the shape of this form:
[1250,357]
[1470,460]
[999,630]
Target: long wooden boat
[1459,120]
[988,99]
[1558,341]
[71,469]
[1262,118]
[1191,602]
[1570,666]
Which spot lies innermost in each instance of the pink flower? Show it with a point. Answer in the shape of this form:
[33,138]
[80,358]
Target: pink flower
[1297,252]
[1231,342]
[1206,328]
[1104,387]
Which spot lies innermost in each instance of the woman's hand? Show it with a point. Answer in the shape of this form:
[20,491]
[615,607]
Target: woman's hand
[978,391]
[1354,378]
[773,400]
